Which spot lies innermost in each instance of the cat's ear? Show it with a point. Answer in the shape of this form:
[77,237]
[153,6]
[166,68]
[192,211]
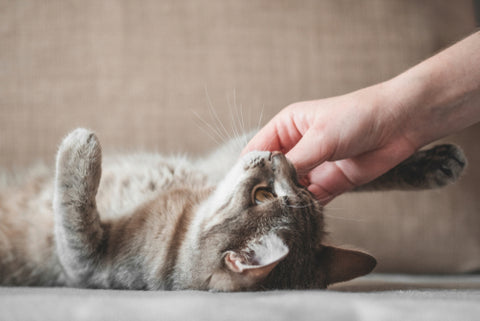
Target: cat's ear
[343,265]
[258,259]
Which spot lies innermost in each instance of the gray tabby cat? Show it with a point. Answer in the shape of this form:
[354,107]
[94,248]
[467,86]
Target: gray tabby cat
[149,222]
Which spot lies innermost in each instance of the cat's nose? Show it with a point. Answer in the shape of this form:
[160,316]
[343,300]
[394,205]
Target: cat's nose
[276,155]
[254,158]
[273,154]
[279,161]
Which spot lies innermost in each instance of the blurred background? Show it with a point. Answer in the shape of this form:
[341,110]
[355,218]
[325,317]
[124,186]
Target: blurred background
[146,75]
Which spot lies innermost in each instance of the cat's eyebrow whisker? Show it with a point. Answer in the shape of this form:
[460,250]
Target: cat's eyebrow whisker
[214,114]
[210,135]
[235,127]
[239,115]
[208,125]
[242,118]
[238,119]
[261,117]
[236,132]
[239,112]
[206,128]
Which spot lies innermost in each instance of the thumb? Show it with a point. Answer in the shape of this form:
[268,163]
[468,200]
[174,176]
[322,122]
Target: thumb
[309,152]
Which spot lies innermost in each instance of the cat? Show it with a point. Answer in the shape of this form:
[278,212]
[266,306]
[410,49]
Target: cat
[148,222]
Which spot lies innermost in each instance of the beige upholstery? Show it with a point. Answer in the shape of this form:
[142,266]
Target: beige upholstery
[138,71]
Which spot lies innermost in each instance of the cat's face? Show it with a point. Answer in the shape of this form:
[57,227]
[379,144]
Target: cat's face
[262,229]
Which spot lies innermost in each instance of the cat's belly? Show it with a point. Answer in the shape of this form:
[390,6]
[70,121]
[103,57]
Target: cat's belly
[128,182]
[27,248]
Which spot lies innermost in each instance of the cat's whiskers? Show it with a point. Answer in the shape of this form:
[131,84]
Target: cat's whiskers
[213,133]
[215,129]
[260,118]
[242,119]
[215,116]
[237,131]
[238,111]
[233,120]
[334,217]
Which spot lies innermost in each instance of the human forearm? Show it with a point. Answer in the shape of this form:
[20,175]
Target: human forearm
[440,95]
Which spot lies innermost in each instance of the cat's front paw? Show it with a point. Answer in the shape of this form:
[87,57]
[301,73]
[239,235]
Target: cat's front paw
[443,164]
[78,230]
[79,161]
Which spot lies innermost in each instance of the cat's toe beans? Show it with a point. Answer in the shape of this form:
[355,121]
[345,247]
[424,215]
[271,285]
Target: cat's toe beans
[452,168]
[447,171]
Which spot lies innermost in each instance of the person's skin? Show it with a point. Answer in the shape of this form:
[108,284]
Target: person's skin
[345,141]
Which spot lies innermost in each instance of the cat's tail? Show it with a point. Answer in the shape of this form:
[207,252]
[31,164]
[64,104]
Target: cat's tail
[426,169]
[78,230]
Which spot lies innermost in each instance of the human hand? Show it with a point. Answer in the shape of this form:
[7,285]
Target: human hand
[346,141]
[341,142]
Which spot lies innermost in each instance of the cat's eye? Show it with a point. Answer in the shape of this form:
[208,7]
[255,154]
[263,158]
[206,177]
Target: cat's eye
[262,195]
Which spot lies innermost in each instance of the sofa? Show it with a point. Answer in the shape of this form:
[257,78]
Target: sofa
[181,76]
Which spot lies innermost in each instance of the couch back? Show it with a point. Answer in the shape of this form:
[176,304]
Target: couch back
[163,75]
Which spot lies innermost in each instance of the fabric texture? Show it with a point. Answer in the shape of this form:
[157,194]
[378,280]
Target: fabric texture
[379,297]
[164,75]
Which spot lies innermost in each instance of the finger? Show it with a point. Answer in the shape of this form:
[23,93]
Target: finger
[280,134]
[320,194]
[368,166]
[331,179]
[328,181]
[309,152]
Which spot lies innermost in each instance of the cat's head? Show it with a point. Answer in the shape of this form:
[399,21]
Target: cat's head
[261,229]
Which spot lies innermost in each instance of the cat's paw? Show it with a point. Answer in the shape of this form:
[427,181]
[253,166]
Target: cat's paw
[442,164]
[79,161]
[78,230]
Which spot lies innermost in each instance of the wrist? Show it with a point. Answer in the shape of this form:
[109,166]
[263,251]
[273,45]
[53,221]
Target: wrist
[411,101]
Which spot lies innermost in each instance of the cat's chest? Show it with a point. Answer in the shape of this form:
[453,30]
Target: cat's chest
[129,182]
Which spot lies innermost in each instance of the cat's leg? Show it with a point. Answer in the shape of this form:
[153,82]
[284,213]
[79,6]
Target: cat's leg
[426,169]
[78,230]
